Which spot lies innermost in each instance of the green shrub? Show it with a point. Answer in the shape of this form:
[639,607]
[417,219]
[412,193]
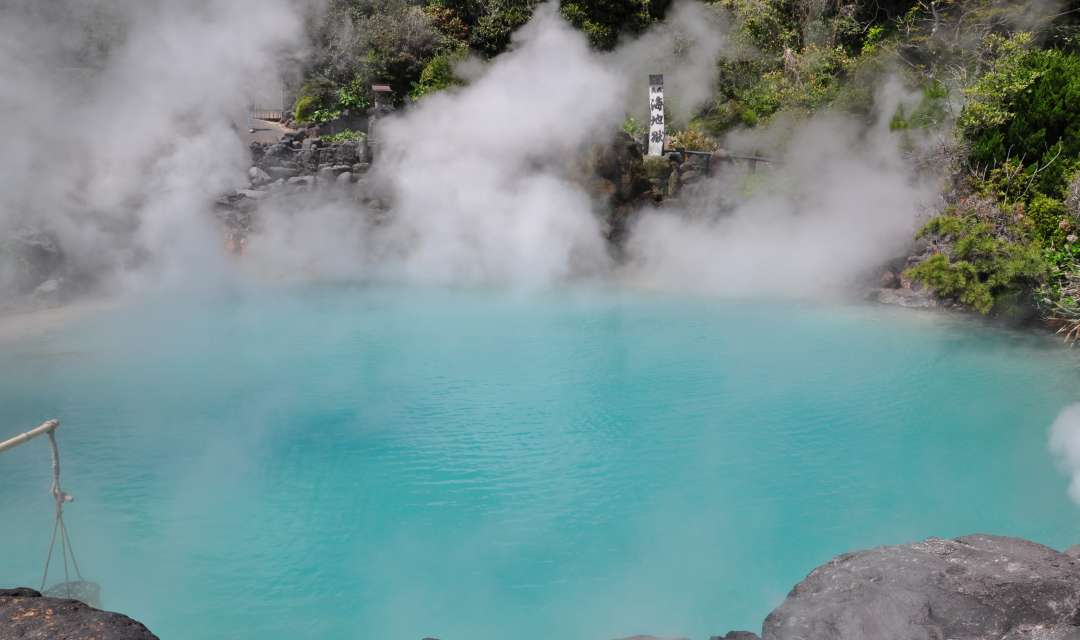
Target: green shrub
[931,111]
[636,129]
[693,140]
[1047,215]
[1008,182]
[343,136]
[763,99]
[872,40]
[604,20]
[958,280]
[990,96]
[768,25]
[316,100]
[809,81]
[356,95]
[304,108]
[438,74]
[1026,109]
[491,34]
[450,22]
[984,265]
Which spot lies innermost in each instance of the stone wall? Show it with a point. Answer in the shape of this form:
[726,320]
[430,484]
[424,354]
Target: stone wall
[298,155]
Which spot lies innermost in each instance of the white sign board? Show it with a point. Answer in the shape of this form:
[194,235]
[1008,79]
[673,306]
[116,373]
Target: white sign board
[656,115]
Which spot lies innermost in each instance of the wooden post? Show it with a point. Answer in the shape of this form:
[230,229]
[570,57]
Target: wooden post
[656,115]
[43,428]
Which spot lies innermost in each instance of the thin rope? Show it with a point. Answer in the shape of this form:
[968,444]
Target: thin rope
[71,549]
[64,555]
[60,497]
[48,558]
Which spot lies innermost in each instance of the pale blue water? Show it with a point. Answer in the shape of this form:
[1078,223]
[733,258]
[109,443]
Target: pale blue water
[349,462]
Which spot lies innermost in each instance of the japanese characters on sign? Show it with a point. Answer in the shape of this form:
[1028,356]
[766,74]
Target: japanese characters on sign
[656,115]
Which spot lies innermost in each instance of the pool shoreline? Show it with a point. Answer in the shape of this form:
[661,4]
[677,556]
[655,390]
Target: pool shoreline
[967,585]
[22,321]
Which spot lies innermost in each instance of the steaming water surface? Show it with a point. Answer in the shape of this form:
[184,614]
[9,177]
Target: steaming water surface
[343,462]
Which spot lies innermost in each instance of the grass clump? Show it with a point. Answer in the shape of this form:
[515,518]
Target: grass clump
[347,135]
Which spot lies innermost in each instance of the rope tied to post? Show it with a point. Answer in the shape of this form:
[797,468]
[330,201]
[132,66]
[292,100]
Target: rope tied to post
[66,551]
[79,589]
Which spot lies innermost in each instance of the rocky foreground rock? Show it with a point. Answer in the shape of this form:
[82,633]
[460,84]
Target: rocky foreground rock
[27,615]
[977,587]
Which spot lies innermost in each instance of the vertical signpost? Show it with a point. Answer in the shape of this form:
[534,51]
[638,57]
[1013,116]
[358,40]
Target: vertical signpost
[656,115]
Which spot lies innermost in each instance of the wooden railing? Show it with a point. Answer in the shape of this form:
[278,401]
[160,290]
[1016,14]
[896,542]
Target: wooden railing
[267,114]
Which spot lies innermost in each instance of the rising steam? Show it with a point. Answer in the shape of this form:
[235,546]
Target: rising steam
[1065,444]
[121,157]
[841,201]
[125,113]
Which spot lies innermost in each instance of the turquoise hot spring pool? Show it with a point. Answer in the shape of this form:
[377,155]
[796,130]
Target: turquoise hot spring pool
[365,462]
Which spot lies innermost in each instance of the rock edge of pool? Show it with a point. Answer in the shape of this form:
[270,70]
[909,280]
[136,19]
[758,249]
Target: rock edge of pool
[976,587]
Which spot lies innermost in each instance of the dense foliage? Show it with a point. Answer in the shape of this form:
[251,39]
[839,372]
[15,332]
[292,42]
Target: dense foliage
[808,47]
[1008,77]
[605,20]
[1028,110]
[814,53]
[1021,133]
[438,74]
[1009,237]
[992,257]
[343,136]
[412,45]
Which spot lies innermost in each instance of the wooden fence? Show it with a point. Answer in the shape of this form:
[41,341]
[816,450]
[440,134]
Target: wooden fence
[267,114]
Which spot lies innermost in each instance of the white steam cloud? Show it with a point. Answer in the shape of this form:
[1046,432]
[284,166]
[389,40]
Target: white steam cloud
[124,113]
[842,200]
[481,185]
[685,47]
[1065,444]
[480,188]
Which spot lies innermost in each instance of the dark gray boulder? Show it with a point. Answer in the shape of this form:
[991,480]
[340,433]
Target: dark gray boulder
[26,615]
[978,587]
[20,592]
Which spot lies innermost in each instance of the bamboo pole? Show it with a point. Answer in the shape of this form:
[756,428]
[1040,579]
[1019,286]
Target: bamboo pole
[43,428]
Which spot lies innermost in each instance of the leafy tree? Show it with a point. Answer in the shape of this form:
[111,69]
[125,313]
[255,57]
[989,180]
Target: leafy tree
[438,74]
[604,20]
[491,34]
[1026,108]
[365,42]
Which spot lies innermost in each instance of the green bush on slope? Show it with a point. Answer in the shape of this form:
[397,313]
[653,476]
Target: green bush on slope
[1021,129]
[990,259]
[438,74]
[1027,109]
